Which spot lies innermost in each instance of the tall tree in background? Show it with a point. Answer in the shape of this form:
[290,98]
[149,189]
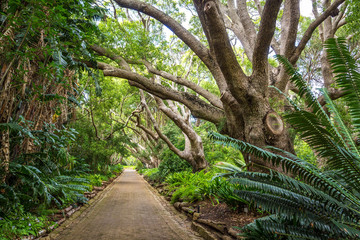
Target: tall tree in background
[37,73]
[242,109]
[193,151]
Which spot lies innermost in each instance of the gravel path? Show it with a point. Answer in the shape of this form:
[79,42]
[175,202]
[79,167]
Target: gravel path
[129,209]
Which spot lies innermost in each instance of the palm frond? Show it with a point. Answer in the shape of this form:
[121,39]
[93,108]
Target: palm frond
[307,173]
[314,133]
[304,90]
[316,110]
[275,226]
[346,76]
[348,140]
[317,204]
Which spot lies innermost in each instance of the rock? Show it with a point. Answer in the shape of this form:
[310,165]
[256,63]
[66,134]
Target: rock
[168,198]
[177,205]
[188,210]
[105,183]
[161,185]
[226,237]
[58,215]
[41,232]
[98,188]
[233,233]
[220,226]
[185,204]
[196,216]
[68,209]
[28,238]
[60,221]
[46,238]
[246,210]
[68,214]
[203,231]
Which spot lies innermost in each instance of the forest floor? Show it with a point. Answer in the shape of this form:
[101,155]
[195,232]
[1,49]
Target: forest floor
[128,209]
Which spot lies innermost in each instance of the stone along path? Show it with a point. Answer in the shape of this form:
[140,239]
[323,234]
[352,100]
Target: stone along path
[128,209]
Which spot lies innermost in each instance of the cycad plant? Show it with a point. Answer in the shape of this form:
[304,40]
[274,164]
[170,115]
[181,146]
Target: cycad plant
[309,203]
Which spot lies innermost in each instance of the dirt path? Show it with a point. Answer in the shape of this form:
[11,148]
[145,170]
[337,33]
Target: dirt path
[128,210]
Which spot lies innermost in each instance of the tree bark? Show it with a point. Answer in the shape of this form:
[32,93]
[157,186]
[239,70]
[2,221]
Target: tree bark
[244,111]
[193,152]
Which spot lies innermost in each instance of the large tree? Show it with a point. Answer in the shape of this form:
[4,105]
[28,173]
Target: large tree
[242,110]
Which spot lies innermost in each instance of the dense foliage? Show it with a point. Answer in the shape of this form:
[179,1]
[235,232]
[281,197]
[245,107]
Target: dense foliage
[317,204]
[39,94]
[65,128]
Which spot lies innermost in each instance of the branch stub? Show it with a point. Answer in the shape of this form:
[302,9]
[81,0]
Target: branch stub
[274,123]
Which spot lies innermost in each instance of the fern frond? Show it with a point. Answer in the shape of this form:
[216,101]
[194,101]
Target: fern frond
[304,90]
[346,76]
[309,175]
[347,141]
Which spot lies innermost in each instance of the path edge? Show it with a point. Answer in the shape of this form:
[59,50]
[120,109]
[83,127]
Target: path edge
[79,214]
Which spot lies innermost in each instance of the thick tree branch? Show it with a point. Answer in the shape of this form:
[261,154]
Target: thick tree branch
[143,136]
[333,94]
[177,119]
[263,41]
[116,58]
[225,56]
[339,17]
[245,20]
[214,100]
[194,150]
[242,25]
[171,146]
[198,107]
[200,50]
[308,33]
[195,45]
[289,26]
[258,6]
[137,110]
[146,130]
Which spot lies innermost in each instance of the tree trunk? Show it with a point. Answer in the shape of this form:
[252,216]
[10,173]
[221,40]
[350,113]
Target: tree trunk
[4,154]
[261,126]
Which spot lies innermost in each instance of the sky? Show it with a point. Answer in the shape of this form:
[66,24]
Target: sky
[306,8]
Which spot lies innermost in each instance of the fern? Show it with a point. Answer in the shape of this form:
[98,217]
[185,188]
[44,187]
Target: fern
[346,76]
[318,204]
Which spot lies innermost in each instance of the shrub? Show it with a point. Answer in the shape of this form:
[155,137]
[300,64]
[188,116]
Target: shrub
[20,224]
[172,164]
[139,166]
[190,187]
[152,174]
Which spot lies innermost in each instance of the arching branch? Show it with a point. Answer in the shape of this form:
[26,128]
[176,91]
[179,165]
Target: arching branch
[308,33]
[199,49]
[263,41]
[198,107]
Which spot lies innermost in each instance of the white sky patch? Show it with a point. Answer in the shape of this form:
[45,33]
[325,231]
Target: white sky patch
[306,8]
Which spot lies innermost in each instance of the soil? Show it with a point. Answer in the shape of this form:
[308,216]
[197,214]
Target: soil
[222,213]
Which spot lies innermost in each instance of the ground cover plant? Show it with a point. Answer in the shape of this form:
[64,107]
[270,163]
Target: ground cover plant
[23,214]
[309,203]
[189,187]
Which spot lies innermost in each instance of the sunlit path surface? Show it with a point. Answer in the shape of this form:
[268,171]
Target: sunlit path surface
[129,210]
